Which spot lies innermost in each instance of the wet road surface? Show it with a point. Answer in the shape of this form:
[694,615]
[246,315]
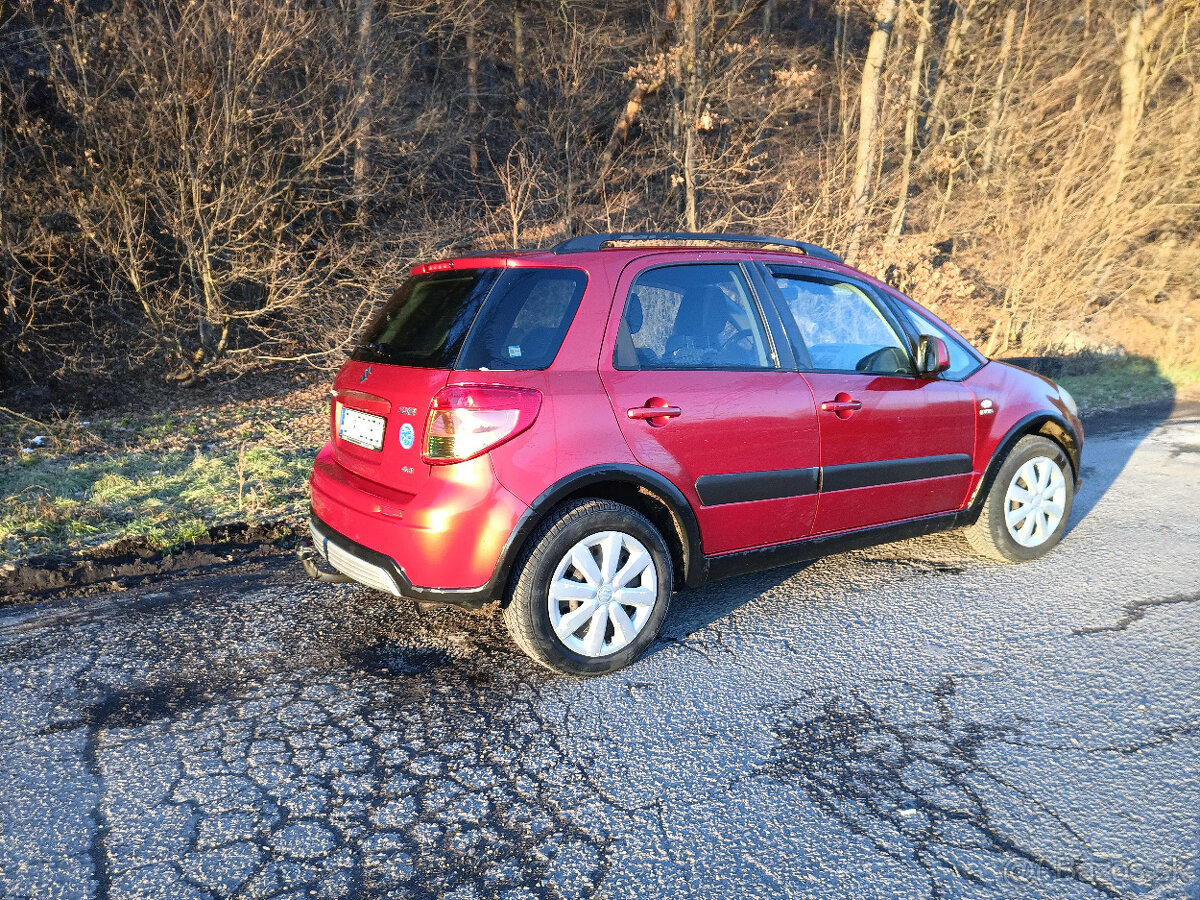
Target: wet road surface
[905,721]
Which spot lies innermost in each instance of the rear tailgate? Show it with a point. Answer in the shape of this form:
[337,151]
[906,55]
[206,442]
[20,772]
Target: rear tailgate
[400,396]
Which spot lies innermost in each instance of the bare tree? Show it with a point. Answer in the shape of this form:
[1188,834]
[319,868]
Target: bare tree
[1145,21]
[362,125]
[868,113]
[189,180]
[691,76]
[912,109]
[997,107]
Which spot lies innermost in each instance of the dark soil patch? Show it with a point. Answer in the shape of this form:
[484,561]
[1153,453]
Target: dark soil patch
[132,561]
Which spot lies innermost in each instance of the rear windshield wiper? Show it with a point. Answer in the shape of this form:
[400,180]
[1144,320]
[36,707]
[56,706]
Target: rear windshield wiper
[381,349]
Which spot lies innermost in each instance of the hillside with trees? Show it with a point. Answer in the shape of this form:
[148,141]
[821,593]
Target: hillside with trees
[193,189]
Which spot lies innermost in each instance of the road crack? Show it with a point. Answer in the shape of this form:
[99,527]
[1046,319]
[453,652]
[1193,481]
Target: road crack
[921,791]
[1135,611]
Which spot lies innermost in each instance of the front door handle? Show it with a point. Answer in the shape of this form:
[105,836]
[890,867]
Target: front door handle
[656,411]
[843,405]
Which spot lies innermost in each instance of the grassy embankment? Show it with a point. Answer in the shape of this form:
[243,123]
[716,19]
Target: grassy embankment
[164,478]
[167,477]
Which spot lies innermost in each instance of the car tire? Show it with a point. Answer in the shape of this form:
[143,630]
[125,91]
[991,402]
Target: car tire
[554,587]
[1028,505]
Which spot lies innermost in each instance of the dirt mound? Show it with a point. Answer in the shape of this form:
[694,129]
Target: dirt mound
[132,560]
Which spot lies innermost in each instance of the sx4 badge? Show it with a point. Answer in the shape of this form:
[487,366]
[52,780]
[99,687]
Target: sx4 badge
[407,436]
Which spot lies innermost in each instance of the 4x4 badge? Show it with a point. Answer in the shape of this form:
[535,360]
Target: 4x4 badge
[366,373]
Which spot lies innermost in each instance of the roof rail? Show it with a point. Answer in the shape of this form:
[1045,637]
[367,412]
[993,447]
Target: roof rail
[588,242]
[496,251]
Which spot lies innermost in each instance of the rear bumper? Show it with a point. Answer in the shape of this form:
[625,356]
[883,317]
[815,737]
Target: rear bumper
[378,570]
[445,543]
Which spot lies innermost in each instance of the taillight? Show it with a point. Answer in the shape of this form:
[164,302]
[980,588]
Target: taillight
[466,420]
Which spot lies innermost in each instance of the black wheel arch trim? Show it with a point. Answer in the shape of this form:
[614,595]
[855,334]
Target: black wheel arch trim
[1069,440]
[627,474]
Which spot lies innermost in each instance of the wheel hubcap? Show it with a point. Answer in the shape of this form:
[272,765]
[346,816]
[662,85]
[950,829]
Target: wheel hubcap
[1035,502]
[602,594]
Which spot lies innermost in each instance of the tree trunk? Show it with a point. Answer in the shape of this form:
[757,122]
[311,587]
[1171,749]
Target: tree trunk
[473,122]
[910,118]
[691,105]
[1131,97]
[997,109]
[569,211]
[362,126]
[620,133]
[768,15]
[949,60]
[518,27]
[868,119]
[839,59]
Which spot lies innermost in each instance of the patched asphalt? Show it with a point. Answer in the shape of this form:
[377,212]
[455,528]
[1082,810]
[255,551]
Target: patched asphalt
[904,721]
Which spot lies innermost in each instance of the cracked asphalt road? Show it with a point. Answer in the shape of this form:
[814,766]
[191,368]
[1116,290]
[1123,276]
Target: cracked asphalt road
[905,721]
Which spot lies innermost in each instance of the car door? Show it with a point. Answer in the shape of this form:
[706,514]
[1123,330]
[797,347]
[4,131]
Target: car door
[694,375]
[893,445]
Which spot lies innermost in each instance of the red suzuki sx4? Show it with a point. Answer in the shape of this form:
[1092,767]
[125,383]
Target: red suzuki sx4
[580,432]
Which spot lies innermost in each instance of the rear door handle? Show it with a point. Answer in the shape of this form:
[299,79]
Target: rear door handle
[656,411]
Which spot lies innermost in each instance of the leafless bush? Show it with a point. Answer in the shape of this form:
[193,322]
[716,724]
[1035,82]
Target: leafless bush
[194,186]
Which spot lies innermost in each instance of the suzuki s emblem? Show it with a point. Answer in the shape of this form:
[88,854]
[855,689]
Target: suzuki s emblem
[365,375]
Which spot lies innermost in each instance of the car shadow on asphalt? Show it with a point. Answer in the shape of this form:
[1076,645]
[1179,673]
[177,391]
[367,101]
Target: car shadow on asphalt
[1133,426]
[1134,423]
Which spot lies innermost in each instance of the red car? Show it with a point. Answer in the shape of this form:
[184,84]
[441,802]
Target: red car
[582,431]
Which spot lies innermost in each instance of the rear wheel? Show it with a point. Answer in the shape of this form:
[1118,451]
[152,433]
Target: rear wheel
[1026,510]
[591,590]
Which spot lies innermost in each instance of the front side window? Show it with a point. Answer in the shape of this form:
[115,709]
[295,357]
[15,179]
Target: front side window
[841,328]
[699,316]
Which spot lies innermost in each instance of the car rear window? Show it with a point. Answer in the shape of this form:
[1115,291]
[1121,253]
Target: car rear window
[476,319]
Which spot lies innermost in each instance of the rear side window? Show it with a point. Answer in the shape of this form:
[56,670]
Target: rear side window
[698,316]
[476,319]
[525,319]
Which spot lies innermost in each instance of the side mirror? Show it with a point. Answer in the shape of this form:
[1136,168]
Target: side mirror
[933,356]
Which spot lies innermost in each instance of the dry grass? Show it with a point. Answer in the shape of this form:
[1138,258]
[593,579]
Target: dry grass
[165,477]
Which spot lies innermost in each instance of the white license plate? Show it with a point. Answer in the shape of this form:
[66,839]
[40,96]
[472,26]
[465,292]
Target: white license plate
[361,428]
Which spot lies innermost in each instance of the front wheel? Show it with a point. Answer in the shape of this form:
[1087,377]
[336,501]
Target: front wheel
[591,590]
[1025,513]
